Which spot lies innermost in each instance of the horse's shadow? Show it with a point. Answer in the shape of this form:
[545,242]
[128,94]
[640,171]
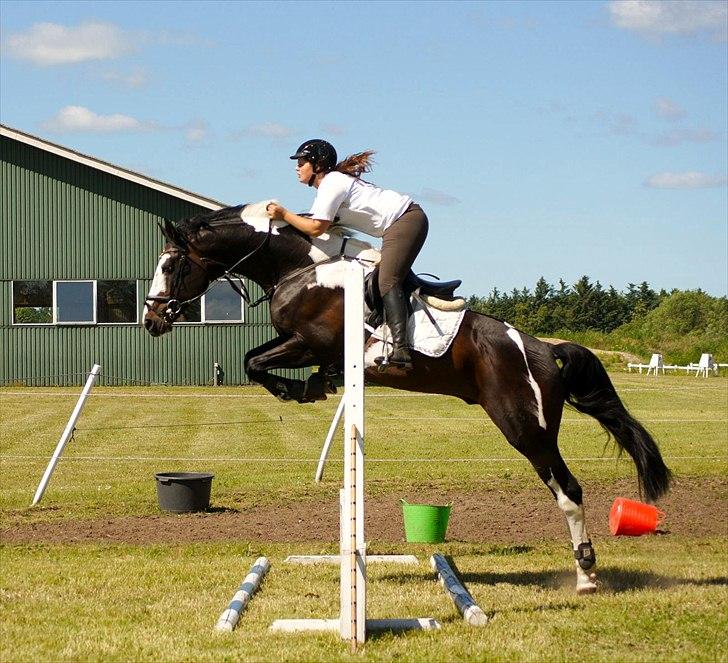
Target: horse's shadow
[612,579]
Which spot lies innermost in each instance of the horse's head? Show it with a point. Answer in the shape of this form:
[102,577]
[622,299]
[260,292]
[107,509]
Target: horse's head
[180,277]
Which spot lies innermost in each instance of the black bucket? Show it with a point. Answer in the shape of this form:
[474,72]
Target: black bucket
[182,492]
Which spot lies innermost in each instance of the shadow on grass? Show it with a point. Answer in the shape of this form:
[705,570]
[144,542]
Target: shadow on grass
[611,579]
[622,580]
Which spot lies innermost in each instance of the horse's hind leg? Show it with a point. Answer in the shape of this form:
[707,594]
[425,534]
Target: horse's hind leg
[567,491]
[538,444]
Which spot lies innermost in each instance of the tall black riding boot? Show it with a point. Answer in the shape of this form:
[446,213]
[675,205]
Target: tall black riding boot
[395,313]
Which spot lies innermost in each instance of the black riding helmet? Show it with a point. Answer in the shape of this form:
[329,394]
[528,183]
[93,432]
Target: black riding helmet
[320,153]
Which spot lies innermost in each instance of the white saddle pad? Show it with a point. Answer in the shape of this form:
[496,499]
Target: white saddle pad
[427,338]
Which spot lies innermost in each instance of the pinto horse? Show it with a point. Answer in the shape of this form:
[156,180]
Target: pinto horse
[521,382]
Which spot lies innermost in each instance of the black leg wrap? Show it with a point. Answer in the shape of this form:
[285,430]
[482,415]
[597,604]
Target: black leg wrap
[585,555]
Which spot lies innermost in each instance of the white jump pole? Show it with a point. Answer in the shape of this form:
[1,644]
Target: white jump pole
[230,616]
[67,433]
[329,438]
[460,596]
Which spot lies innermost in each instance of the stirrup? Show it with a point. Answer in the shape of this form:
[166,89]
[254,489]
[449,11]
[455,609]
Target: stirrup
[386,361]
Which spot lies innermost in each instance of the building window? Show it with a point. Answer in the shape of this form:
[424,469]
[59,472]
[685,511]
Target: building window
[116,301]
[219,304]
[223,304]
[32,302]
[74,302]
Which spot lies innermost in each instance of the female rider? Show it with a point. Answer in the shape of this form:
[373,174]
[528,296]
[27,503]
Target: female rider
[343,198]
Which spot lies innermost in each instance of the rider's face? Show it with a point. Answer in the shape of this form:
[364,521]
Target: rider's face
[304,171]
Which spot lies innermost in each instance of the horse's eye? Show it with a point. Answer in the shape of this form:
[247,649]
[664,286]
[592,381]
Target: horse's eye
[167,269]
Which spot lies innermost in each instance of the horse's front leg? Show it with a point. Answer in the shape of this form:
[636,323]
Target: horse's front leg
[281,353]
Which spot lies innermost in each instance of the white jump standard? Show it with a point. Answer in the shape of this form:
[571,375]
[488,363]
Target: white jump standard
[352,623]
[230,616]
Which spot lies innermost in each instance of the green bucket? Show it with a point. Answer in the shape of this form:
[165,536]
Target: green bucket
[425,523]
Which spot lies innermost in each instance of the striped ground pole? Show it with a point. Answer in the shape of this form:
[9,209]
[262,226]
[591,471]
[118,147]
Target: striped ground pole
[460,596]
[230,616]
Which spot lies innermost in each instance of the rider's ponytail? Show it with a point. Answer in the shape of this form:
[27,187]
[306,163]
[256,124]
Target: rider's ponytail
[356,164]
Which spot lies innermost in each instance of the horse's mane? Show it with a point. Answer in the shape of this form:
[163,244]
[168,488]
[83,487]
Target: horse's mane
[231,216]
[192,225]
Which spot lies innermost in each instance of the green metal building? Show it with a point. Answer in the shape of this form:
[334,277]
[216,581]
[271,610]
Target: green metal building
[79,244]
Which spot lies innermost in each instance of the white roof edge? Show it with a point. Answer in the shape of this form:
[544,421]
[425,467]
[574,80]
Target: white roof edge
[117,171]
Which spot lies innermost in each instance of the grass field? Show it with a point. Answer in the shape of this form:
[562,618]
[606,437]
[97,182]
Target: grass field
[661,597]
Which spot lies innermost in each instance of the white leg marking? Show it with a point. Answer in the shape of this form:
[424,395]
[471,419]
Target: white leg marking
[516,338]
[585,580]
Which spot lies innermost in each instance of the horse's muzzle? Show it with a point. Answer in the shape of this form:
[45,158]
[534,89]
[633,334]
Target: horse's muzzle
[155,324]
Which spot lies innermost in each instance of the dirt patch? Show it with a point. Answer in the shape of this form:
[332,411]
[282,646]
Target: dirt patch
[694,507]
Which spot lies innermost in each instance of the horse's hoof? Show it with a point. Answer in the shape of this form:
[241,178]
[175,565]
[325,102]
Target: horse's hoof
[587,585]
[312,399]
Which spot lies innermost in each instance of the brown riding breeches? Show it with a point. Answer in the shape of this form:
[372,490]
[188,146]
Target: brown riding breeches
[401,243]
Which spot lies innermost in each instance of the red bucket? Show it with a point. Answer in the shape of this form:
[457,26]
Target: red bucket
[630,518]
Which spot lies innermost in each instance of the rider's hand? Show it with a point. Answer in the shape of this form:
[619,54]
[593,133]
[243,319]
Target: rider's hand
[275,211]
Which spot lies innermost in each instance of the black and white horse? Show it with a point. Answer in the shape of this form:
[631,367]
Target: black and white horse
[522,383]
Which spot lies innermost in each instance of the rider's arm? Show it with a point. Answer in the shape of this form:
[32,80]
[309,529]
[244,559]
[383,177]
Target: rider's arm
[312,227]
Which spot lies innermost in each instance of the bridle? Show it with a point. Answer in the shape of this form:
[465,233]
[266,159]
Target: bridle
[174,306]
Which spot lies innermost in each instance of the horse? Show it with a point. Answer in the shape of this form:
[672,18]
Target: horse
[522,383]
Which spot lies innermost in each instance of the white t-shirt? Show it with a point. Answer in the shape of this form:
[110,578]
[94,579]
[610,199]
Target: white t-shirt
[359,205]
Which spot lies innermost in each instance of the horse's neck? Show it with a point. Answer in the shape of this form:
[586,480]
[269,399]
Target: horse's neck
[273,256]
[270,257]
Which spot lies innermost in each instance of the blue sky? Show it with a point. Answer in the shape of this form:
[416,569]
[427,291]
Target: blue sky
[550,139]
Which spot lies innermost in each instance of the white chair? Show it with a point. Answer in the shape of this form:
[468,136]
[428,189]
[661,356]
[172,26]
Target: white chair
[705,364]
[656,363]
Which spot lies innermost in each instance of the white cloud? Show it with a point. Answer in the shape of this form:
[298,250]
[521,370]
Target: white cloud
[79,119]
[196,131]
[270,130]
[48,44]
[133,79]
[679,136]
[689,180]
[437,197]
[655,18]
[333,129]
[620,124]
[667,109]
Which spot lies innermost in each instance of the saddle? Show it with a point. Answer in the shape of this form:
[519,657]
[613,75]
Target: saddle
[439,294]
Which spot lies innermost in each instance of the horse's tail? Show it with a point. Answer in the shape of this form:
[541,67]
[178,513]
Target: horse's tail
[590,391]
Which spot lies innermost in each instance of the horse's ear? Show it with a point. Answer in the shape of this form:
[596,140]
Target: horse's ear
[172,232]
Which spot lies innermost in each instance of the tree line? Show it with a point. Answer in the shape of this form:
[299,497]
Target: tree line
[680,324]
[579,307]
